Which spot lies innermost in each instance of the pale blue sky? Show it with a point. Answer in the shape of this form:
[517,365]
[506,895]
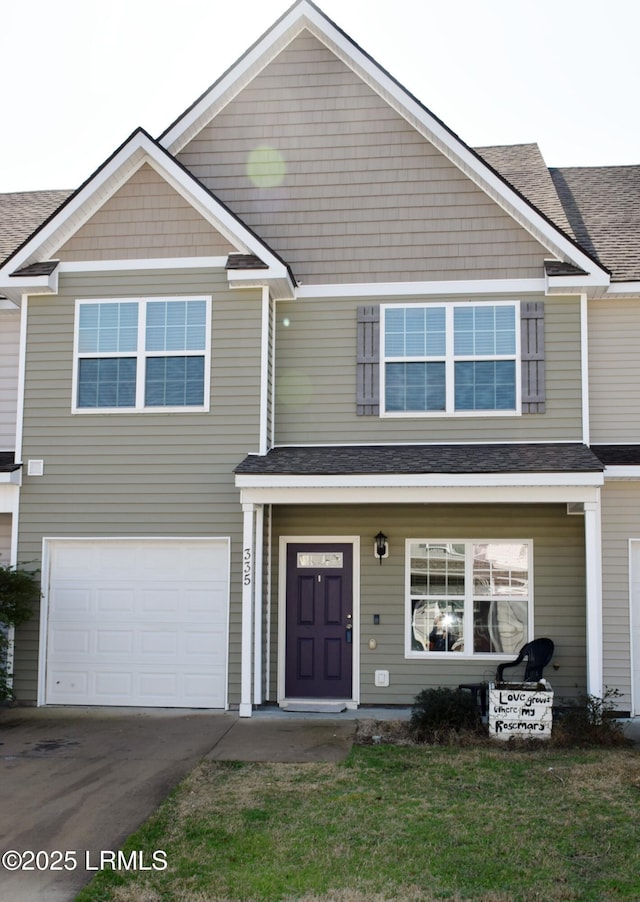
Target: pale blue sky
[78,76]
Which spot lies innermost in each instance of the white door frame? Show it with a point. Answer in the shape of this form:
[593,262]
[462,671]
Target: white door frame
[354,541]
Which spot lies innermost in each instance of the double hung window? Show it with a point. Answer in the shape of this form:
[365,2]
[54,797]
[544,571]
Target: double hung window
[468,597]
[142,354]
[457,358]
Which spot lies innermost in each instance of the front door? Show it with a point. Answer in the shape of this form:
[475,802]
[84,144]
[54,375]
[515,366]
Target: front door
[319,622]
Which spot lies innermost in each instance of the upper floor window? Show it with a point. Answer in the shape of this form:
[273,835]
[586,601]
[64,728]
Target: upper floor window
[456,358]
[142,354]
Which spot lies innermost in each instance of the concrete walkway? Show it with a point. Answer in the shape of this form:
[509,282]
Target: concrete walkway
[80,780]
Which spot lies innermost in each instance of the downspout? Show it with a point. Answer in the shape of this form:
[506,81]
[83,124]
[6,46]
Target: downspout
[584,364]
[263,444]
[15,513]
[593,555]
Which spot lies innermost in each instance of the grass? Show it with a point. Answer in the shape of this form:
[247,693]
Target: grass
[397,823]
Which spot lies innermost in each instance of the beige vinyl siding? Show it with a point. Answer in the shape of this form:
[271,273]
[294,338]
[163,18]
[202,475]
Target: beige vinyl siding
[146,218]
[364,197]
[145,474]
[620,522]
[614,371]
[558,586]
[9,353]
[5,539]
[316,383]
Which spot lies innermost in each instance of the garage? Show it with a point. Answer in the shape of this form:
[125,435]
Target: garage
[136,622]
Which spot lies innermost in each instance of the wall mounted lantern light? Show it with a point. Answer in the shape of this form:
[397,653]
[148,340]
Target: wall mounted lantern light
[381,547]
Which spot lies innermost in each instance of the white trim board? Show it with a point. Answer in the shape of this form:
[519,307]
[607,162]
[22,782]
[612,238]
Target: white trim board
[561,494]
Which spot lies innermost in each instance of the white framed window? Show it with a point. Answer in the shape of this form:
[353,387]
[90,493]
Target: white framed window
[468,597]
[142,354]
[457,358]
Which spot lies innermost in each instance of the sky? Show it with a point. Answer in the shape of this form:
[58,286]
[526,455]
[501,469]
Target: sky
[78,76]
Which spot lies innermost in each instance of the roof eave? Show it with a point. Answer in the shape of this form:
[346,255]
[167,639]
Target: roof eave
[16,286]
[594,284]
[424,480]
[278,279]
[629,289]
[139,149]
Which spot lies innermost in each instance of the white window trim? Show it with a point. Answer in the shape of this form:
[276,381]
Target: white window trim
[449,360]
[141,354]
[410,653]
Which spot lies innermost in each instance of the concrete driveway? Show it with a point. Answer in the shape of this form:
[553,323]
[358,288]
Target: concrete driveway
[80,780]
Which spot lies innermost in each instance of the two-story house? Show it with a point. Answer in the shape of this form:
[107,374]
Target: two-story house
[314,402]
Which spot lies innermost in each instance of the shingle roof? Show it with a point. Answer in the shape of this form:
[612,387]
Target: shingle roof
[602,204]
[333,460]
[7,462]
[22,212]
[618,455]
[598,206]
[523,166]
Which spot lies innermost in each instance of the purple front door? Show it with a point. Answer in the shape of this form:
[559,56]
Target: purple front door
[319,639]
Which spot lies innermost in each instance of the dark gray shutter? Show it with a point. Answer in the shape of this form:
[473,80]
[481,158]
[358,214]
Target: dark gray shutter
[532,325]
[368,362]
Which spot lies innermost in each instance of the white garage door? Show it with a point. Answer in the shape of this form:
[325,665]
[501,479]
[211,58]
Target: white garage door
[133,622]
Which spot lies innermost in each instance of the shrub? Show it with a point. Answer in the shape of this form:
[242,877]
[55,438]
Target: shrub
[589,720]
[439,713]
[18,594]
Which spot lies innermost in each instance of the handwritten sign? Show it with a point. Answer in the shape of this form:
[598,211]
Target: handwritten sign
[520,710]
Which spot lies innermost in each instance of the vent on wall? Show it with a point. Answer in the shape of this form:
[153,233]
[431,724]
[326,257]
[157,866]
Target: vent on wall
[35,468]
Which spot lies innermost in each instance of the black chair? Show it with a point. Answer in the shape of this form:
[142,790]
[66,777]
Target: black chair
[538,654]
[479,693]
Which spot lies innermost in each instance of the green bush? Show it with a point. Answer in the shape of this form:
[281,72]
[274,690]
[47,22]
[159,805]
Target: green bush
[589,721]
[18,593]
[439,713]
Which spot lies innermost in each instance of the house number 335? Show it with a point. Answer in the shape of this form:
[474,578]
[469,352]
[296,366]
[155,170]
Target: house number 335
[246,567]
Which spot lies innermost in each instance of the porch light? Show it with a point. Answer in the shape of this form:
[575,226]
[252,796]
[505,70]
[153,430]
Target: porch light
[381,547]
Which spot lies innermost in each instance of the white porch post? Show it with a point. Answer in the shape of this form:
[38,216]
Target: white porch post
[248,579]
[593,553]
[257,617]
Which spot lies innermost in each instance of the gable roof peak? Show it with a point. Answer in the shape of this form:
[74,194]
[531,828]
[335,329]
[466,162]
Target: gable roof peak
[304,14]
[139,148]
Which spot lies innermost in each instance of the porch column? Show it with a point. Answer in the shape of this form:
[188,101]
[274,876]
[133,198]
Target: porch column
[593,554]
[248,552]
[257,602]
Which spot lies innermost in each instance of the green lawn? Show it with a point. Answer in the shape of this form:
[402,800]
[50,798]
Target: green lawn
[401,823]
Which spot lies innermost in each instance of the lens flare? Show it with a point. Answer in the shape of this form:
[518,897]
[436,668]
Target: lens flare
[266,167]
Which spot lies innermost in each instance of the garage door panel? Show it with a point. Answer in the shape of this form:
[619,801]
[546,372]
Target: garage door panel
[120,634]
[70,641]
[113,685]
[114,599]
[71,686]
[71,600]
[114,642]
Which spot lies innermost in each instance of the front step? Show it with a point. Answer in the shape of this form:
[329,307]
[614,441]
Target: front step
[314,707]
